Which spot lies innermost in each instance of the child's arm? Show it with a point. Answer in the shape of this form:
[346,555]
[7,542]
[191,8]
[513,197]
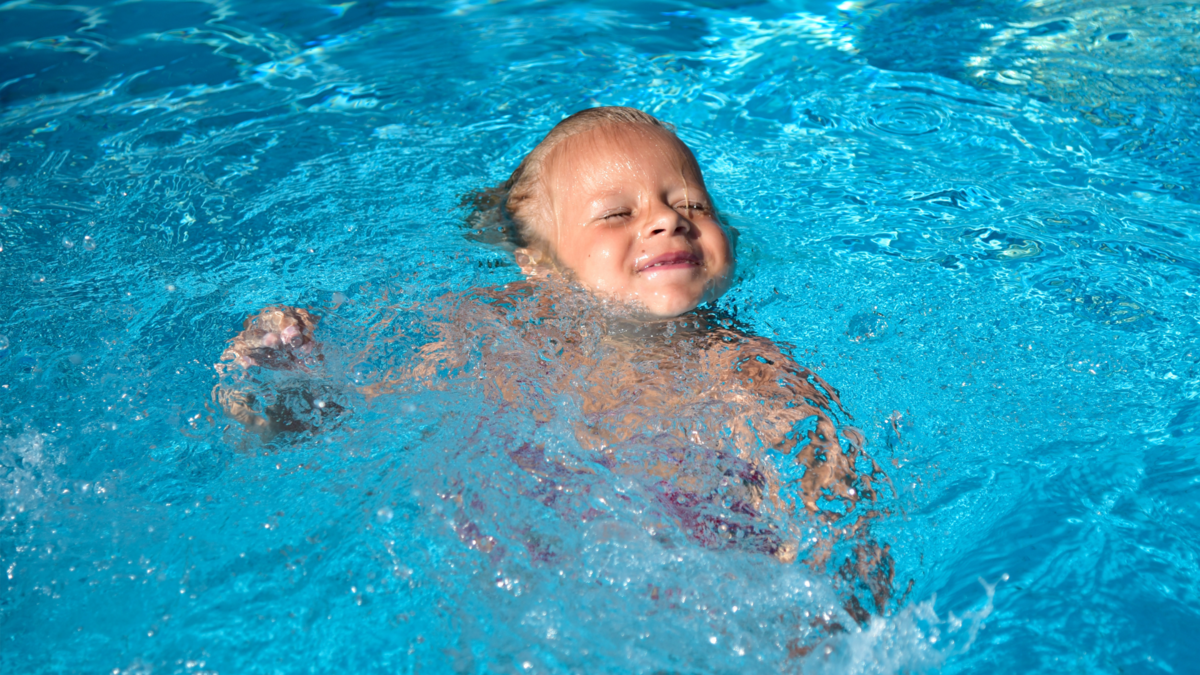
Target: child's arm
[781,394]
[282,339]
[776,395]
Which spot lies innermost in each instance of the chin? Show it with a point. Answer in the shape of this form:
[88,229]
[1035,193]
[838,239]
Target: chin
[669,307]
[683,298]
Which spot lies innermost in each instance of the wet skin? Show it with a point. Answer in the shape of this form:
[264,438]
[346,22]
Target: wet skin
[627,215]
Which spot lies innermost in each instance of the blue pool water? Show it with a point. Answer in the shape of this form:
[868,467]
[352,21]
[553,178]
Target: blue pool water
[977,220]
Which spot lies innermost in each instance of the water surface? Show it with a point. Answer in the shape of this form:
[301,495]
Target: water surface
[978,222]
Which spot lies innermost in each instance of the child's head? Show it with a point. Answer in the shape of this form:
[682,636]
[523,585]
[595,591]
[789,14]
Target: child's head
[612,195]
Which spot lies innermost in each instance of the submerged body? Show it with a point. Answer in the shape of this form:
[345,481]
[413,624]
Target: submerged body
[621,243]
[710,415]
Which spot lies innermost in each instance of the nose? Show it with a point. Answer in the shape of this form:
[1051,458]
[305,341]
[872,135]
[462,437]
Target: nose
[664,220]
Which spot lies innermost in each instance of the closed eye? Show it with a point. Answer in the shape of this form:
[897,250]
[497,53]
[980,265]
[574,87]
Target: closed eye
[693,206]
[615,215]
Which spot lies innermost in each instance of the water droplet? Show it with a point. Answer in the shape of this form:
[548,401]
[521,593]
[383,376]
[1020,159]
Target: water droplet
[68,243]
[4,157]
[339,298]
[170,288]
[3,342]
[5,211]
[75,358]
[89,244]
[384,515]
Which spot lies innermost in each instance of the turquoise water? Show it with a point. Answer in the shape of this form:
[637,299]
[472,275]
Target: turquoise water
[977,221]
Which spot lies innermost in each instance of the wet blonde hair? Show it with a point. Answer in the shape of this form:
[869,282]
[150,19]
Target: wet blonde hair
[507,213]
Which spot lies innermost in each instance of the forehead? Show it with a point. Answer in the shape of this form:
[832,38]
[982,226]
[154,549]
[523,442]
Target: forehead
[608,154]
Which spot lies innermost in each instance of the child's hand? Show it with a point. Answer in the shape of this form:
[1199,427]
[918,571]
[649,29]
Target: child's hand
[277,338]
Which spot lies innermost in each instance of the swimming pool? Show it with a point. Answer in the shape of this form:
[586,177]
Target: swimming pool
[978,223]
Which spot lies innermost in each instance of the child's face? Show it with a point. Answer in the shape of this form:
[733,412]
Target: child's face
[630,216]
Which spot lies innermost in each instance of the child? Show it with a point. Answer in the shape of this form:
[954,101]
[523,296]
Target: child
[615,229]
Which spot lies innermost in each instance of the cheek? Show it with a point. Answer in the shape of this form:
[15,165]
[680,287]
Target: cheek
[718,246]
[603,262]
[602,248]
[582,253]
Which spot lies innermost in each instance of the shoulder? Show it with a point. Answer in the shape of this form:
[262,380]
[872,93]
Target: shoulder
[766,368]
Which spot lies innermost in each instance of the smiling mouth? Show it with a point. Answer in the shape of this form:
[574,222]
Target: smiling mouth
[670,261]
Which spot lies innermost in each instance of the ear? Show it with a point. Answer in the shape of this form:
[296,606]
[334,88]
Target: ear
[532,261]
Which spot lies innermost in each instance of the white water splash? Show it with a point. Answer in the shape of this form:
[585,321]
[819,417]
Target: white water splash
[914,640]
[26,474]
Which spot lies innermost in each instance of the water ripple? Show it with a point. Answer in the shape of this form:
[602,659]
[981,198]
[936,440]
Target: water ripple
[906,118]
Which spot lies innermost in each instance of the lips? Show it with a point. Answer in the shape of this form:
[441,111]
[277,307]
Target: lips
[670,261]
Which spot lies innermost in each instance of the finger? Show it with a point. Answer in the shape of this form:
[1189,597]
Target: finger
[291,336]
